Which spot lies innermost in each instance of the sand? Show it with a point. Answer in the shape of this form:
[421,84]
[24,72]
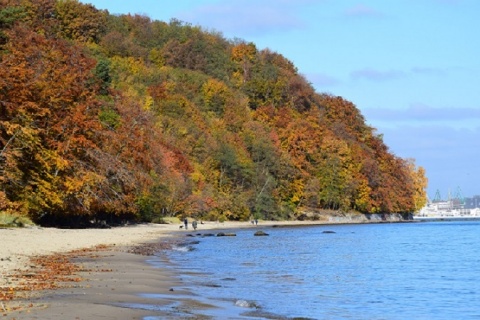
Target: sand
[19,244]
[101,294]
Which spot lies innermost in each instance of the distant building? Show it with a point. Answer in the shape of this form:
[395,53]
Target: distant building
[455,207]
[473,202]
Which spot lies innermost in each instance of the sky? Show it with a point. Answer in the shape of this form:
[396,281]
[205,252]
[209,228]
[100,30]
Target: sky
[412,67]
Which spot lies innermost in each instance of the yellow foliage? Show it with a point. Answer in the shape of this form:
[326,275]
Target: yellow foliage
[297,187]
[362,200]
[244,55]
[244,52]
[215,94]
[155,55]
[237,77]
[420,183]
[133,66]
[197,176]
[149,102]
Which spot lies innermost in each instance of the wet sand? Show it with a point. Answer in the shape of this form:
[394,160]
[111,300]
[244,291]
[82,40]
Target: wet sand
[104,294]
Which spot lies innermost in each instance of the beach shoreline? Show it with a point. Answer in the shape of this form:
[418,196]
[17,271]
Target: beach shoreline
[113,274]
[21,246]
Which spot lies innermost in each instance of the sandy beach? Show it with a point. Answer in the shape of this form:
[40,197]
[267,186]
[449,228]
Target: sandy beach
[111,276]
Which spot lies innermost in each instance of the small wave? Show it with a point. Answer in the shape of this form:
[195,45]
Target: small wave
[246,304]
[182,248]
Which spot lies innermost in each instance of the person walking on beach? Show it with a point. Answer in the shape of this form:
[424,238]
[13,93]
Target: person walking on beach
[185,222]
[194,225]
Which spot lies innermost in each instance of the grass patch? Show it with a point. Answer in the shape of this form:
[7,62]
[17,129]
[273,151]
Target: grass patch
[8,220]
[171,220]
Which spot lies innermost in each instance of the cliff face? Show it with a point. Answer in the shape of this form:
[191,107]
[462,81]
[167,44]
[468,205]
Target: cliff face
[109,117]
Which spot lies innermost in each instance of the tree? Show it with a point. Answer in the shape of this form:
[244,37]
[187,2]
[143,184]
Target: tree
[48,121]
[8,16]
[420,183]
[80,22]
[215,96]
[244,56]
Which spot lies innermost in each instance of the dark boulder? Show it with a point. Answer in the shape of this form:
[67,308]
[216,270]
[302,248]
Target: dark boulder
[208,235]
[223,234]
[260,233]
[229,279]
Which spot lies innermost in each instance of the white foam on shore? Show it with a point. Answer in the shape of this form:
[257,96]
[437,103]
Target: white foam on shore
[181,248]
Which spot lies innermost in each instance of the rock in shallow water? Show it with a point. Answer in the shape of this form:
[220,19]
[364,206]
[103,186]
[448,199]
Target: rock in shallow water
[208,235]
[223,234]
[245,304]
[260,233]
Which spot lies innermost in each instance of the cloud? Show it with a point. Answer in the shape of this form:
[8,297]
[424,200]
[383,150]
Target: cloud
[428,71]
[320,80]
[376,75]
[372,74]
[248,18]
[362,11]
[423,113]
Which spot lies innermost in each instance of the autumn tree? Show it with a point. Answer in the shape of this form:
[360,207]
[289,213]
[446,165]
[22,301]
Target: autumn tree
[80,22]
[244,56]
[420,183]
[48,120]
[8,16]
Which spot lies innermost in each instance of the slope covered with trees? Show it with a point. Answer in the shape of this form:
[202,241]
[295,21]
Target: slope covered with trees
[107,117]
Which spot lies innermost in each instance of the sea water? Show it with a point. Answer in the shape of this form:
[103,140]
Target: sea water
[428,270]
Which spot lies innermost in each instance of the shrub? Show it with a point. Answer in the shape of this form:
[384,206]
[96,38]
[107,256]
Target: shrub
[14,220]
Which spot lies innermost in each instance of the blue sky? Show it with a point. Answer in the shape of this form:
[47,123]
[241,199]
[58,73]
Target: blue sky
[412,67]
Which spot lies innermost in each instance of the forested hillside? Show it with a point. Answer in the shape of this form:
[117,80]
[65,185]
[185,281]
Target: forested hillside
[107,117]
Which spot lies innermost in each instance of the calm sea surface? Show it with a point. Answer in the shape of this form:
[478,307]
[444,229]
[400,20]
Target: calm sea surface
[425,270]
